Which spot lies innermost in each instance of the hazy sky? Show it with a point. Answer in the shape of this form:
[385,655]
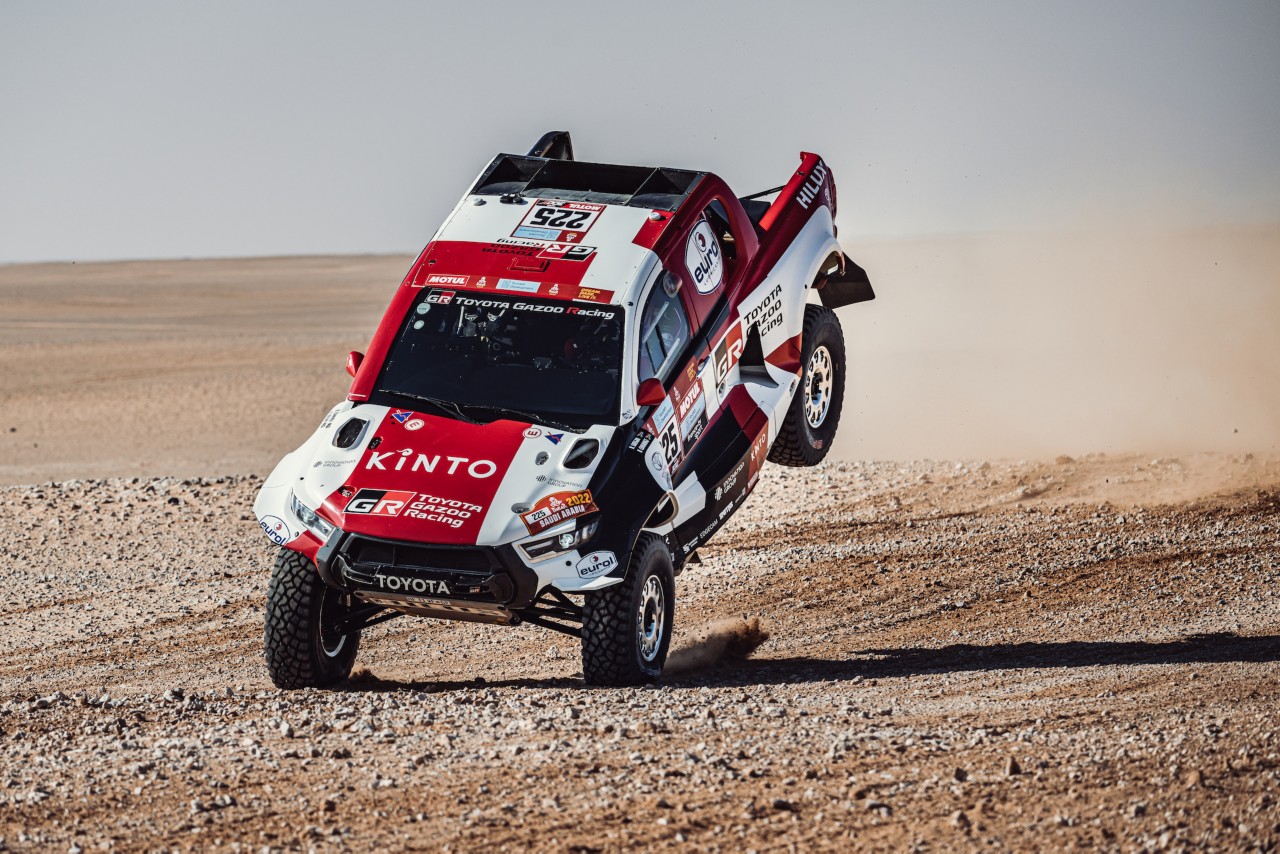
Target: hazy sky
[171,129]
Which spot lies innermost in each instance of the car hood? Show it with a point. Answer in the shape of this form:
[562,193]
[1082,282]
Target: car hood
[425,478]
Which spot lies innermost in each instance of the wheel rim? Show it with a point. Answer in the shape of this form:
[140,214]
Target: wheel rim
[331,611]
[651,620]
[817,387]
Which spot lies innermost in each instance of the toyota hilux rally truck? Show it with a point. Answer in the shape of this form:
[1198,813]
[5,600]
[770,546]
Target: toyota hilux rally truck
[574,387]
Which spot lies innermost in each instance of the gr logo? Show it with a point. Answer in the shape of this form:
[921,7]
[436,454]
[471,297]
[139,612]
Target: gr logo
[379,502]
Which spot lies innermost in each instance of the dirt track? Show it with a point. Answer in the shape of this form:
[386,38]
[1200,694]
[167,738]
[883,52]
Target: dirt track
[961,655]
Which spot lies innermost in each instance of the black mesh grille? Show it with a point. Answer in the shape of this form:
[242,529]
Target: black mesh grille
[385,552]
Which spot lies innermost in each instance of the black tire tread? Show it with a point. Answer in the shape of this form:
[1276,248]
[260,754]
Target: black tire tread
[790,447]
[288,644]
[608,654]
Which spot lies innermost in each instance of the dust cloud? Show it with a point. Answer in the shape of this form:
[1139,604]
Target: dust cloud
[1034,345]
[723,641]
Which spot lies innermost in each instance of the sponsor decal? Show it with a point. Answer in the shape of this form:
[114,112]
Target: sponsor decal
[641,441]
[446,511]
[557,221]
[328,419]
[276,529]
[415,424]
[401,415]
[522,248]
[532,433]
[759,451]
[704,258]
[691,396]
[813,184]
[594,295]
[536,233]
[567,252]
[596,564]
[450,281]
[663,413]
[438,297]
[562,484]
[523,286]
[658,465]
[573,310]
[727,353]
[331,464]
[768,314]
[551,510]
[555,438]
[379,502]
[402,584]
[397,460]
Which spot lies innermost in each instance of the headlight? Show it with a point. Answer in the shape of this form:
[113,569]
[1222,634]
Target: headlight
[561,543]
[310,518]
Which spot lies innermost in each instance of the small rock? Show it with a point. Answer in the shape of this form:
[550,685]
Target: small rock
[960,820]
[1012,768]
[1194,778]
[783,805]
[961,775]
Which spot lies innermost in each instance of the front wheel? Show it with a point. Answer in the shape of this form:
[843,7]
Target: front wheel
[626,629]
[304,645]
[810,425]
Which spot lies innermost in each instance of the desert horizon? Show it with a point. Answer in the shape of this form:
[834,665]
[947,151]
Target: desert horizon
[1001,346]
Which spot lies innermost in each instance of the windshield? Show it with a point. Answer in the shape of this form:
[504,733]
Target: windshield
[495,357]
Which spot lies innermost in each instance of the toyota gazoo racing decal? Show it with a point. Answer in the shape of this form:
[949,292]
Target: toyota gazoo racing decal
[426,478]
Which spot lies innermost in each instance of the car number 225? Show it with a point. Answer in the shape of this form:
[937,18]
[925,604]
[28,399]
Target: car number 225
[567,220]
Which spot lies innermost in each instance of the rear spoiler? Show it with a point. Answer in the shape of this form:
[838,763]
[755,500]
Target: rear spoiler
[844,283]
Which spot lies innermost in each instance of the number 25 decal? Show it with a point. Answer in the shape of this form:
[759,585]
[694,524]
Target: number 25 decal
[670,444]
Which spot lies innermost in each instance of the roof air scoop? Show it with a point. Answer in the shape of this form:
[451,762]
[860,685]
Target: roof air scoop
[554,145]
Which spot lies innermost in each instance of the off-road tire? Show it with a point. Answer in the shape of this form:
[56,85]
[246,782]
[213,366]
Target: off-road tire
[612,628]
[799,442]
[300,612]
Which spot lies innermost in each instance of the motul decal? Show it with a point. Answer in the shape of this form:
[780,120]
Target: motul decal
[379,502]
[447,281]
[553,509]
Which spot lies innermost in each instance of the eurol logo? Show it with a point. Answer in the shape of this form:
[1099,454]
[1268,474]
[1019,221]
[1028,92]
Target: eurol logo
[429,463]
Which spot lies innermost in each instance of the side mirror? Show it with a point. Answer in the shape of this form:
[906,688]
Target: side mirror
[650,392]
[354,358]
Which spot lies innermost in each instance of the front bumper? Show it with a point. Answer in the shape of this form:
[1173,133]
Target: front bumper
[484,583]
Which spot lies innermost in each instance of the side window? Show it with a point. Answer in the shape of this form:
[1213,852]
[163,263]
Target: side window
[664,330]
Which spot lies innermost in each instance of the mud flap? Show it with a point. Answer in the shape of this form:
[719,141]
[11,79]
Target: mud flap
[846,286]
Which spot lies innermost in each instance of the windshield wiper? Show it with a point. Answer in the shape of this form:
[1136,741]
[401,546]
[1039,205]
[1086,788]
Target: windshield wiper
[450,409]
[531,417]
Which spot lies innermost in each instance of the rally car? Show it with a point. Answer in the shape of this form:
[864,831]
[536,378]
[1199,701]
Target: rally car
[574,387]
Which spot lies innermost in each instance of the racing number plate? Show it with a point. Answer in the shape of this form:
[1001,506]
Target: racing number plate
[559,222]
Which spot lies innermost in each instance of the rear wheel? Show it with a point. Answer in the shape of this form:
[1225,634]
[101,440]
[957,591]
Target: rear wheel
[626,629]
[303,644]
[811,422]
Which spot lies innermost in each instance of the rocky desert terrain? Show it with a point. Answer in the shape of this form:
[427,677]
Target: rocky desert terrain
[931,655]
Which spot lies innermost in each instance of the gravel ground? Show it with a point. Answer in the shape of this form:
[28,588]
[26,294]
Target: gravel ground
[960,655]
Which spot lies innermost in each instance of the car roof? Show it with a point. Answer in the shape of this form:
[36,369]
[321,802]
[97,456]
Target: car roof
[649,187]
[502,236]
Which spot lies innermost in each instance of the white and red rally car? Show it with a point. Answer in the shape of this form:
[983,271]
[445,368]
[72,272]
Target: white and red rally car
[574,387]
